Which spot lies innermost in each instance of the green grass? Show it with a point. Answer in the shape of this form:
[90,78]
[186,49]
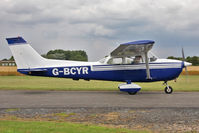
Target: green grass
[63,114]
[190,83]
[56,127]
[184,83]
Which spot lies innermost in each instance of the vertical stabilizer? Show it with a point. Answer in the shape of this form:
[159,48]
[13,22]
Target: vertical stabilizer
[25,56]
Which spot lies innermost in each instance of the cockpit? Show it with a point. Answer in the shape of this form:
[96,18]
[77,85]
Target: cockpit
[128,60]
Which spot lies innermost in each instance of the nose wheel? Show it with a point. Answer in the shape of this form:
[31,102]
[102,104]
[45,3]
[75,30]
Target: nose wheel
[168,89]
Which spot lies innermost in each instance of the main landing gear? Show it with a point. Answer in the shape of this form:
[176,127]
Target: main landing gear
[132,89]
[129,87]
[132,93]
[168,89]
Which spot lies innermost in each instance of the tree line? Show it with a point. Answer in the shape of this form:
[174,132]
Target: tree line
[194,60]
[80,55]
[76,55]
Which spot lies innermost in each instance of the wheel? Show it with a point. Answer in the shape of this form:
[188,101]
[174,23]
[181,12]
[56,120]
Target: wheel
[132,93]
[168,90]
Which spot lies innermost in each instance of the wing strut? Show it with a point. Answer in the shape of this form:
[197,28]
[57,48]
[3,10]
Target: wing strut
[147,64]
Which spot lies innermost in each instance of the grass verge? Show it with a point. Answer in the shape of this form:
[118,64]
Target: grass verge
[56,127]
[184,83]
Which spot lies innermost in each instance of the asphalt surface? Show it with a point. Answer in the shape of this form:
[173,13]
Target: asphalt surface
[63,99]
[156,111]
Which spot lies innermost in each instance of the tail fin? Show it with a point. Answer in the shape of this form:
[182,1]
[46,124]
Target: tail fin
[25,56]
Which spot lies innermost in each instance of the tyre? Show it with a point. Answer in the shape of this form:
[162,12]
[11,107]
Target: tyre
[132,93]
[168,90]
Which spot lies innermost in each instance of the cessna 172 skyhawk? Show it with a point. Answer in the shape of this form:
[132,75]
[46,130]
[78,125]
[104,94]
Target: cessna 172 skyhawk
[130,62]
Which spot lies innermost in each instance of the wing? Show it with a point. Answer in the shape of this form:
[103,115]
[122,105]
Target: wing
[133,48]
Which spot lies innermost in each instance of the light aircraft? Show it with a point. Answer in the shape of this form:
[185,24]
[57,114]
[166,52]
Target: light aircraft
[129,62]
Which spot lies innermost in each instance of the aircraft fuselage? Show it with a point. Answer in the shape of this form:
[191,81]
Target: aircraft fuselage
[160,71]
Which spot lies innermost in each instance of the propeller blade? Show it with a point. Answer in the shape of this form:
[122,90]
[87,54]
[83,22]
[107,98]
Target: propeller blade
[183,57]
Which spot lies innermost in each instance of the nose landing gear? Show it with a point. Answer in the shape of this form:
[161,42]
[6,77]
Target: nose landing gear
[168,89]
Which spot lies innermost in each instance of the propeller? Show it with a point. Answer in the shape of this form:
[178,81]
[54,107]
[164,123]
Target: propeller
[185,63]
[183,59]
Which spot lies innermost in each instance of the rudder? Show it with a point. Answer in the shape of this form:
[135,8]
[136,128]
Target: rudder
[25,56]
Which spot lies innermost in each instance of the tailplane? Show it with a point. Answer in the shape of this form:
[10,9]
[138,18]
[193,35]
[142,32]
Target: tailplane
[25,56]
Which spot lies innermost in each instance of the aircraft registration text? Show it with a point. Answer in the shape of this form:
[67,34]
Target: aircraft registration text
[70,71]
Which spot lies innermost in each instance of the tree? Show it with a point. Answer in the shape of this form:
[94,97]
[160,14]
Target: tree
[77,55]
[175,58]
[5,59]
[194,60]
[11,58]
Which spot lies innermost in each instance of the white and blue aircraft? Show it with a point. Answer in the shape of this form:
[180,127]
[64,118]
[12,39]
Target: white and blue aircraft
[129,62]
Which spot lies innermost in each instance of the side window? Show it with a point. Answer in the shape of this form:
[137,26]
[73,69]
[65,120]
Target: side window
[137,60]
[102,60]
[129,60]
[115,61]
[153,59]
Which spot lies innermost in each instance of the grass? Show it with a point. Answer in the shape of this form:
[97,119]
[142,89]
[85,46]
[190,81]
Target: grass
[46,83]
[190,83]
[12,109]
[56,127]
[184,83]
[63,114]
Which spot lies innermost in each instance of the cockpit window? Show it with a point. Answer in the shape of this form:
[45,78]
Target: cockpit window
[102,60]
[137,59]
[152,59]
[115,61]
[128,60]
